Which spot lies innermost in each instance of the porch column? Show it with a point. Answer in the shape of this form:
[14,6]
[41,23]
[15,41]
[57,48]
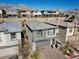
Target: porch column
[51,41]
[34,46]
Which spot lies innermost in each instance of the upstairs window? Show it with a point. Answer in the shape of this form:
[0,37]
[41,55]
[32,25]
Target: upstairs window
[39,33]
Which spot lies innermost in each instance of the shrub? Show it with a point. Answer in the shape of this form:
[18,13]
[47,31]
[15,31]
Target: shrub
[70,51]
[35,54]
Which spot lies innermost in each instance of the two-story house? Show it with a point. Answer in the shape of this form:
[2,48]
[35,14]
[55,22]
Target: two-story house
[36,13]
[10,36]
[25,13]
[46,13]
[11,12]
[40,34]
[66,31]
[55,13]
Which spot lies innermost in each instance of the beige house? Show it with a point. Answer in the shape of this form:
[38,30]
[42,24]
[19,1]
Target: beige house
[36,13]
[11,12]
[66,31]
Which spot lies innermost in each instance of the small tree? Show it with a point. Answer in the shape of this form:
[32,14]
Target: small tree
[66,50]
[35,54]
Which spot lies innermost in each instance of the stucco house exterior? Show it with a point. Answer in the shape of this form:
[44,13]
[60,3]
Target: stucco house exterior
[66,31]
[12,12]
[10,34]
[36,13]
[55,13]
[0,13]
[40,34]
[46,13]
[25,13]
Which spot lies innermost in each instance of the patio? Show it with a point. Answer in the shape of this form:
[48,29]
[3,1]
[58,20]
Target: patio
[49,53]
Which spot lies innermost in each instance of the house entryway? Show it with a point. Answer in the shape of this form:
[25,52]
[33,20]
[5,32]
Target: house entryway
[55,44]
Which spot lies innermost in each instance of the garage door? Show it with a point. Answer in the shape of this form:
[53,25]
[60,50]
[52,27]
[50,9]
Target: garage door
[41,44]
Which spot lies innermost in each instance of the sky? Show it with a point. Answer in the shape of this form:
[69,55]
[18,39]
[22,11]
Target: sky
[45,4]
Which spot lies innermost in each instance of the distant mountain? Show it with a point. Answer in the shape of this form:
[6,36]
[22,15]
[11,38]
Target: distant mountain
[73,11]
[10,6]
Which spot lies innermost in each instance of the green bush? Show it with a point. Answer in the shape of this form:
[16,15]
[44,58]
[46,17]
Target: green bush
[65,49]
[70,51]
[35,54]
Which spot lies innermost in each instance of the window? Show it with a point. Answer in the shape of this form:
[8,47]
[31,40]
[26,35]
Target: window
[39,33]
[70,29]
[13,36]
[51,32]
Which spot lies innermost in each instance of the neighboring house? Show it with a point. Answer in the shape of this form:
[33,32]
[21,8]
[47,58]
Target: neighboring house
[25,13]
[11,12]
[40,34]
[66,31]
[46,13]
[58,12]
[36,13]
[10,36]
[0,13]
[55,13]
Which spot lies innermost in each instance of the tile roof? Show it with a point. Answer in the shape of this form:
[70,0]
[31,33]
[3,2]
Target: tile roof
[61,23]
[2,29]
[12,11]
[36,25]
[11,26]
